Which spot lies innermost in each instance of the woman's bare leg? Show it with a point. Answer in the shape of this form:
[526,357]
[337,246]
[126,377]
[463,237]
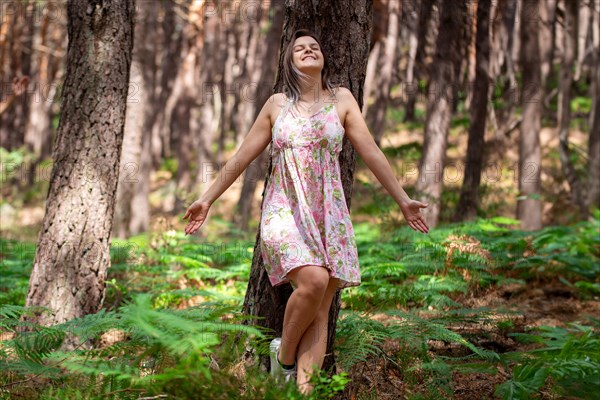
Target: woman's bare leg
[312,347]
[302,306]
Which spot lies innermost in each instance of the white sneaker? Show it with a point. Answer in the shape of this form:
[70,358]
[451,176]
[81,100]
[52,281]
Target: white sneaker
[277,371]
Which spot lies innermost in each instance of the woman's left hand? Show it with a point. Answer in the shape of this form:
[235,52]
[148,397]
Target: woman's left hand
[413,216]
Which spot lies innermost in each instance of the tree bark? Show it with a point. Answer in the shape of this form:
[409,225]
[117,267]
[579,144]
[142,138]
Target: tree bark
[439,107]
[469,196]
[345,36]
[564,104]
[72,254]
[411,14]
[386,62]
[529,207]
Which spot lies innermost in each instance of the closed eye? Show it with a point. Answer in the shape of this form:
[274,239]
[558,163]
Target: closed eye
[301,47]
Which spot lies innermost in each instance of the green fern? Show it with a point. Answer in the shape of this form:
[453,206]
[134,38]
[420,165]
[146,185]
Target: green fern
[570,356]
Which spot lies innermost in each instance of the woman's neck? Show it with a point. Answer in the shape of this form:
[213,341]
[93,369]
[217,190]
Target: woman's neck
[311,90]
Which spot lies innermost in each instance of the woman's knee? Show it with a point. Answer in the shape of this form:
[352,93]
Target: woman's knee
[312,279]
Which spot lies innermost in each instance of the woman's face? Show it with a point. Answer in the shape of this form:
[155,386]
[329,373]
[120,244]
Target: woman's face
[306,54]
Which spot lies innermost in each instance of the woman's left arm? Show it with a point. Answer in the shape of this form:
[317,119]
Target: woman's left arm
[364,144]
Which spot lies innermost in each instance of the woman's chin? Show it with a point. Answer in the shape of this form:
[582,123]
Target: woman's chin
[310,68]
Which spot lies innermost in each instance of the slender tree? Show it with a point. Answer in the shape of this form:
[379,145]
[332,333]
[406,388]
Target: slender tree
[16,50]
[170,53]
[426,33]
[502,68]
[593,198]
[529,206]
[344,32]
[442,83]
[72,253]
[386,63]
[564,104]
[469,195]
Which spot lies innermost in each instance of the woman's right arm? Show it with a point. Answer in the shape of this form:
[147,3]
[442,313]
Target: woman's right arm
[257,139]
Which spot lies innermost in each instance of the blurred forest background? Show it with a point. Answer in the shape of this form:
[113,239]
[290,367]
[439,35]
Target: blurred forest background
[488,110]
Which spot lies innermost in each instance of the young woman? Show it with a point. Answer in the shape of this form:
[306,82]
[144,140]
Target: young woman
[306,236]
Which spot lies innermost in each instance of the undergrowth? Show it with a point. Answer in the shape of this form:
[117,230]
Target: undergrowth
[171,313]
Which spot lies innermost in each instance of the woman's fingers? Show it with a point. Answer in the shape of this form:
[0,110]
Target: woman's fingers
[197,215]
[189,229]
[423,227]
[194,225]
[418,225]
[413,225]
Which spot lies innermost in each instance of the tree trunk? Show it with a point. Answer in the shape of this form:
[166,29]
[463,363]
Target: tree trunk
[38,132]
[427,34]
[386,62]
[72,254]
[439,107]
[469,196]
[529,206]
[593,198]
[471,60]
[170,53]
[370,77]
[345,35]
[584,18]
[547,32]
[132,218]
[502,66]
[258,168]
[16,64]
[564,104]
[411,14]
[227,102]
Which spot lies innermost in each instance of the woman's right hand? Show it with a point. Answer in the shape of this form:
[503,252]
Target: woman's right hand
[197,213]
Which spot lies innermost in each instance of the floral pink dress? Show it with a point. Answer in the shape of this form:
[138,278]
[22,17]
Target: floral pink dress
[305,220]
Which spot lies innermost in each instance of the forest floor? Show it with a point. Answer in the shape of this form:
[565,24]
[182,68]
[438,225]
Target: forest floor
[535,304]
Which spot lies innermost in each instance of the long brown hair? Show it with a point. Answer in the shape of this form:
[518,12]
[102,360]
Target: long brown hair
[292,75]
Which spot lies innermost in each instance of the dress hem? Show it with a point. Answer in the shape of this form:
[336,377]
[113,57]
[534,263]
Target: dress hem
[343,282]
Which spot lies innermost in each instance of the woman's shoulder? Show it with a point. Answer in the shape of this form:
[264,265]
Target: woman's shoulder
[279,96]
[278,99]
[341,91]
